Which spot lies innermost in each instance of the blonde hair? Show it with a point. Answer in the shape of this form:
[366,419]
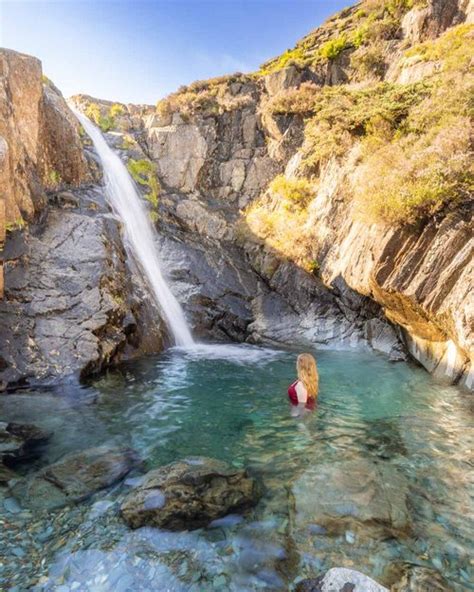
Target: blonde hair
[308,374]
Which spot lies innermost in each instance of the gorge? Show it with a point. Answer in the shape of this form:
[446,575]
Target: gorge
[162,266]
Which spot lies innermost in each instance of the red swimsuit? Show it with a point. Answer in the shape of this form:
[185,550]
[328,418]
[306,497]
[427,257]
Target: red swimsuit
[293,396]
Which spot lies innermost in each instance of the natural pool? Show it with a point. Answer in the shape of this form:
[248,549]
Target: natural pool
[231,404]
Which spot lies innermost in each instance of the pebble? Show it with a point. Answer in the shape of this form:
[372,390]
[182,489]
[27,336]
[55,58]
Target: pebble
[350,537]
[11,505]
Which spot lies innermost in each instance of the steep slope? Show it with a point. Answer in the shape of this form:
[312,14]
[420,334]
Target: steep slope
[337,178]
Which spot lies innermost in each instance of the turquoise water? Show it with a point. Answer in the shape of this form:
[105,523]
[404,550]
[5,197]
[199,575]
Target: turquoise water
[233,406]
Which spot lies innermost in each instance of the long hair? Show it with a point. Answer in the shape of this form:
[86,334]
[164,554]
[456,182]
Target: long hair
[308,374]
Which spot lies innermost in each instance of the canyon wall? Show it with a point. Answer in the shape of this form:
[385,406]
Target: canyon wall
[258,245]
[216,146]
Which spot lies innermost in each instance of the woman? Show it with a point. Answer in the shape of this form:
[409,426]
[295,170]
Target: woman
[305,390]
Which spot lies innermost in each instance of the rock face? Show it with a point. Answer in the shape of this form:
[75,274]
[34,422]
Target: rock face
[352,494]
[39,137]
[69,306]
[72,302]
[340,579]
[189,494]
[75,477]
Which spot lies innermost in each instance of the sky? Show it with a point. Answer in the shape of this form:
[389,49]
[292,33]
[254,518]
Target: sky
[139,51]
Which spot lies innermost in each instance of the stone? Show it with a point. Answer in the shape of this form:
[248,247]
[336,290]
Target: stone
[189,494]
[421,579]
[340,579]
[18,441]
[75,477]
[359,493]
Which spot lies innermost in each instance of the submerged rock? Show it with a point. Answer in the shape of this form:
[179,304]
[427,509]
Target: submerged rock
[421,579]
[189,494]
[340,579]
[360,491]
[76,477]
[18,441]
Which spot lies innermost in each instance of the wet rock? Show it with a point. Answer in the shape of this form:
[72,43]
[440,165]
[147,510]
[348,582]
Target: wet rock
[75,477]
[421,579]
[189,494]
[358,493]
[68,293]
[18,441]
[340,579]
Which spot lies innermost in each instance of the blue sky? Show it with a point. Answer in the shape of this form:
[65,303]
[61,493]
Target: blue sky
[139,51]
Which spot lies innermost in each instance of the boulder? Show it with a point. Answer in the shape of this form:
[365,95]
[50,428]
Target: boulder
[189,494]
[340,579]
[348,493]
[18,441]
[76,477]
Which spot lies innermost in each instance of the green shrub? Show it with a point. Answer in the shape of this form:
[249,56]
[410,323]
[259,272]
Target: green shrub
[294,101]
[333,48]
[116,109]
[106,123]
[144,173]
[291,56]
[369,61]
[413,178]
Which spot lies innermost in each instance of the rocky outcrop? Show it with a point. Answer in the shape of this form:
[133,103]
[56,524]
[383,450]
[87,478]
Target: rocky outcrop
[72,301]
[69,305]
[189,494]
[340,579]
[75,477]
[40,144]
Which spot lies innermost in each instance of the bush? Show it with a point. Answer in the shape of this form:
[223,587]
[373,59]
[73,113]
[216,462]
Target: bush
[411,178]
[294,101]
[369,61]
[144,173]
[116,110]
[296,191]
[333,48]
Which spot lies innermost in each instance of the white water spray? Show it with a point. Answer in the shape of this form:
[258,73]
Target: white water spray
[139,234]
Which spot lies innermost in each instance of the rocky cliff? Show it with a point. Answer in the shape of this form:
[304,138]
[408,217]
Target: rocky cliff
[280,211]
[68,304]
[326,199]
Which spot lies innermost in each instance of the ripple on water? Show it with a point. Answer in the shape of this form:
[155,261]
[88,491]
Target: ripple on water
[229,402]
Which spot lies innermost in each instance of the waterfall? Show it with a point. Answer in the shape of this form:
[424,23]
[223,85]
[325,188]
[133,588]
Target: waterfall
[138,231]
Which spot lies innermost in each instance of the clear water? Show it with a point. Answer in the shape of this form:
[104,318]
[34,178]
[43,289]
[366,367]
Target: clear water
[231,404]
[125,201]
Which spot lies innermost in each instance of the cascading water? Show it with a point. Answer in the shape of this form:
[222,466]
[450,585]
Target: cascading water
[139,235]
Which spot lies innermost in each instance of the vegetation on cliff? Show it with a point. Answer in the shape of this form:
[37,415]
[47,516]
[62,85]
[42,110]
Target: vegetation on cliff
[207,97]
[412,144]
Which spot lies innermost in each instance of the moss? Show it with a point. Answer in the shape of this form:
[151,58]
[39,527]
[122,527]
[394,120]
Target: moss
[144,173]
[17,224]
[54,178]
[128,143]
